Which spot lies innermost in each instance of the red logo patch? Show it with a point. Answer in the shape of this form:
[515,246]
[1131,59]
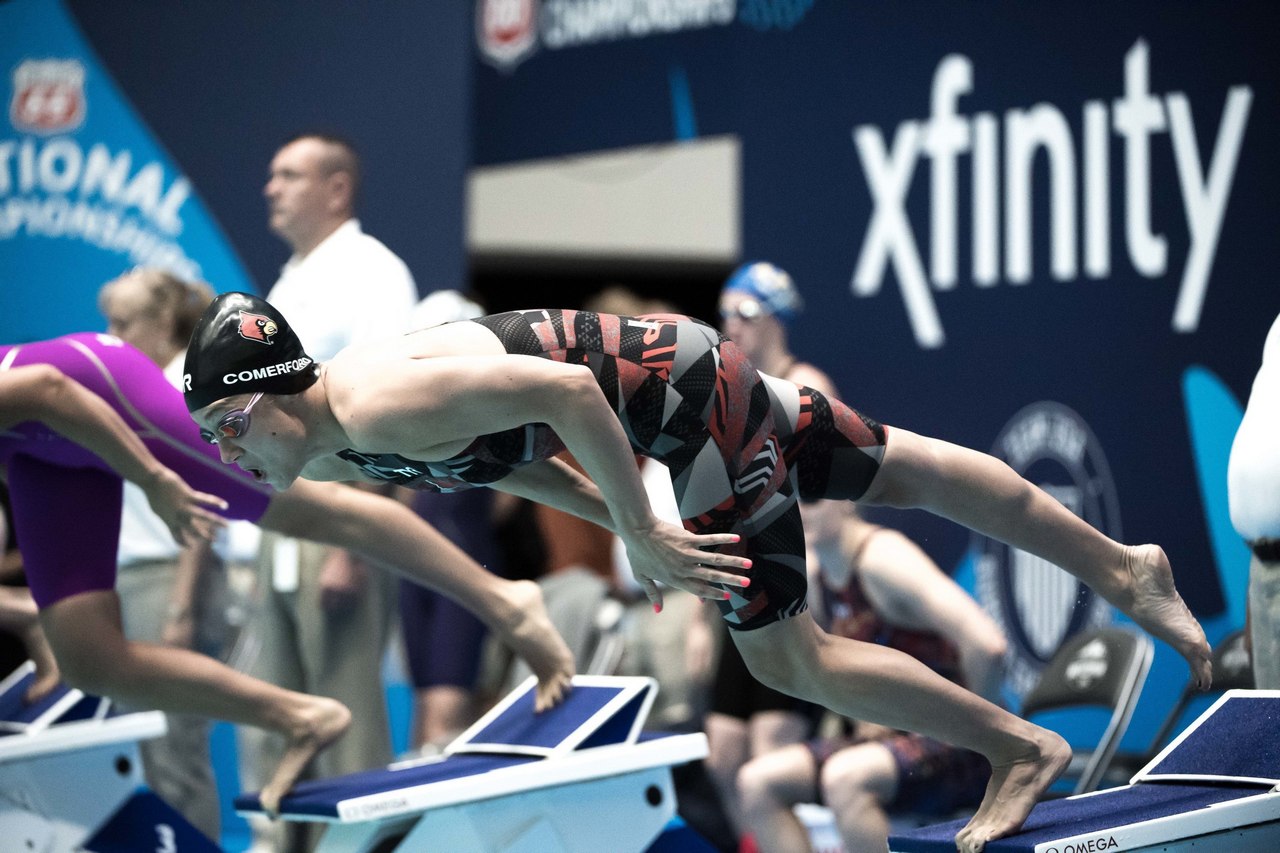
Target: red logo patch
[257,327]
[506,30]
[48,96]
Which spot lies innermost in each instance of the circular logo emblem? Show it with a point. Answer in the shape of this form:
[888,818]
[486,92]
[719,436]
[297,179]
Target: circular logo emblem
[1038,604]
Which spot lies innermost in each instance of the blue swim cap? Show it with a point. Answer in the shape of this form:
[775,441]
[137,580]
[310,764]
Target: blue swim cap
[768,285]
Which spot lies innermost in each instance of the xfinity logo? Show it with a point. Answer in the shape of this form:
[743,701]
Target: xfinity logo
[1079,175]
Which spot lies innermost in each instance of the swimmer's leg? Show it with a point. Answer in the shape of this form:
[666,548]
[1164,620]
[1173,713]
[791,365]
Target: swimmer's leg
[881,685]
[389,533]
[87,636]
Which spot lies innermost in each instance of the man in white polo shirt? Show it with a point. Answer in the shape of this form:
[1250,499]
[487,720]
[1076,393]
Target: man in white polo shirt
[326,617]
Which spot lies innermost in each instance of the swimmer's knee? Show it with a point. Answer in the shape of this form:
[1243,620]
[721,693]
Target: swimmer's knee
[85,670]
[781,655]
[772,669]
[758,784]
[858,777]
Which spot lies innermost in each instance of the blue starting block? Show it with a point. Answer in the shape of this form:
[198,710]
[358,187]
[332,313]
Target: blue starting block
[578,778]
[71,776]
[1214,789]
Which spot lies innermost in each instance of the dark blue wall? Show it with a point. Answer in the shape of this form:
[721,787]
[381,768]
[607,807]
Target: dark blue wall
[223,84]
[797,82]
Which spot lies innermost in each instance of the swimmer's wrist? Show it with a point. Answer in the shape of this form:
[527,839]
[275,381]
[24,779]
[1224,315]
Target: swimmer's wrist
[638,526]
[152,476]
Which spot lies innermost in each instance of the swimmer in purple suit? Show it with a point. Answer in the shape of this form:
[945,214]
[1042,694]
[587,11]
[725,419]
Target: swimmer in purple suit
[79,414]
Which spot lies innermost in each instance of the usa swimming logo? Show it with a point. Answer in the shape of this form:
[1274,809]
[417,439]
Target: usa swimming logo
[1039,605]
[508,31]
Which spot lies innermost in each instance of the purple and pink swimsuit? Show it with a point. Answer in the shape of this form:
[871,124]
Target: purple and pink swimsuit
[66,501]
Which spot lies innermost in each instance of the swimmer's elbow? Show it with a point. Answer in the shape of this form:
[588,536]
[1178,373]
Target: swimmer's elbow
[575,391]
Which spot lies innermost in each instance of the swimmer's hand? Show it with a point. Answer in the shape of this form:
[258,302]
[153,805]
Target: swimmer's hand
[183,510]
[669,554]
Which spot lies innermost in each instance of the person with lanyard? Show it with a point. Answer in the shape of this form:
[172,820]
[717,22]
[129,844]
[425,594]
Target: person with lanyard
[490,401]
[324,618]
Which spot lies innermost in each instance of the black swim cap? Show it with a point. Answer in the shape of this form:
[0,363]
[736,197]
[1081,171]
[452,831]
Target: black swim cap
[243,344]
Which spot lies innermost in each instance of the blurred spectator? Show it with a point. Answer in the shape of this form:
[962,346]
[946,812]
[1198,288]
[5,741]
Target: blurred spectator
[325,617]
[746,718]
[877,587]
[169,594]
[758,303]
[1253,490]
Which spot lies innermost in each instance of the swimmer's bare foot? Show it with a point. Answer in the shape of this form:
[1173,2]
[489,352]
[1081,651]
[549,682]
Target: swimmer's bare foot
[20,616]
[529,633]
[47,675]
[316,723]
[1154,603]
[1013,790]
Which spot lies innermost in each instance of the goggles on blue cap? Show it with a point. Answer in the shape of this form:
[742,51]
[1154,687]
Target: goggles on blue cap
[770,292]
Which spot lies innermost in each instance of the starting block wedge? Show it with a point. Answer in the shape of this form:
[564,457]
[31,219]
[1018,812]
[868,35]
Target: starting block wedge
[1213,789]
[578,778]
[67,765]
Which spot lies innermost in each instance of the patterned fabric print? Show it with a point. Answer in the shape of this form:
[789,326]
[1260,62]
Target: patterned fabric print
[836,450]
[485,461]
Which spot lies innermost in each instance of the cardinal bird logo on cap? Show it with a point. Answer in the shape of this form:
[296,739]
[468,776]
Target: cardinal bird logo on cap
[257,327]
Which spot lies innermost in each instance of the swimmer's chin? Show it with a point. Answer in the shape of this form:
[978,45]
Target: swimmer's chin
[278,482]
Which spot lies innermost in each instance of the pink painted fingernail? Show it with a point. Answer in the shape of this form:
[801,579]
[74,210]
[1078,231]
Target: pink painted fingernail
[748,565]
[657,608]
[726,595]
[737,539]
[746,582]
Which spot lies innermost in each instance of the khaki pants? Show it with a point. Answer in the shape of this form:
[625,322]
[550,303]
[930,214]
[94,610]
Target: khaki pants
[1264,622]
[301,646]
[177,766]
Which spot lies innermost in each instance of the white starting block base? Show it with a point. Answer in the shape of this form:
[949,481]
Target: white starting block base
[1214,789]
[578,778]
[65,766]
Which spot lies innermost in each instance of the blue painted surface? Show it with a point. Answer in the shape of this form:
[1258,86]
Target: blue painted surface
[683,119]
[88,199]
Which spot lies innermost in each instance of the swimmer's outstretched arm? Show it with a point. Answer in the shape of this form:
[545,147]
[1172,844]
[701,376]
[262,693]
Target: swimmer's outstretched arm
[417,404]
[986,495]
[41,392]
